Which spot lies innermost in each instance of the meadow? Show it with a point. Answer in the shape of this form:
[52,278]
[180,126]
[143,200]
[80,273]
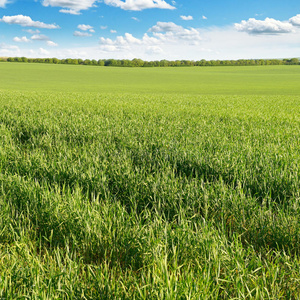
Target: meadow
[163,183]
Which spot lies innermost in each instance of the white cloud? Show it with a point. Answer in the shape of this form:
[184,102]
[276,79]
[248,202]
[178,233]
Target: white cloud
[135,19]
[70,11]
[9,50]
[51,44]
[120,42]
[22,39]
[40,37]
[165,27]
[3,3]
[149,40]
[113,31]
[154,50]
[163,35]
[10,47]
[204,18]
[26,21]
[187,18]
[217,43]
[268,26]
[295,20]
[70,6]
[85,27]
[44,51]
[32,31]
[128,40]
[103,27]
[139,4]
[81,34]
[228,43]
[109,48]
[170,32]
[171,41]
[167,40]
[131,39]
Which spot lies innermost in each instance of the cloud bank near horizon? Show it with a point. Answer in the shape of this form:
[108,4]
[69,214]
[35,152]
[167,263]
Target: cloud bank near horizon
[178,34]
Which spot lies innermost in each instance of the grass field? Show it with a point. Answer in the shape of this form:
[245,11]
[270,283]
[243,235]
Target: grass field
[172,183]
[259,80]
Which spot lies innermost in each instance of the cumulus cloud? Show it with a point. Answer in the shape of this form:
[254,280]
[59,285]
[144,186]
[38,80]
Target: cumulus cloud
[139,4]
[165,26]
[22,39]
[268,26]
[75,6]
[121,41]
[40,37]
[169,31]
[81,34]
[295,20]
[113,31]
[187,18]
[70,6]
[36,37]
[86,27]
[26,21]
[204,18]
[163,34]
[51,44]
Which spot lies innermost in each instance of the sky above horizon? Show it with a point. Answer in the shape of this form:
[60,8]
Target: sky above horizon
[150,29]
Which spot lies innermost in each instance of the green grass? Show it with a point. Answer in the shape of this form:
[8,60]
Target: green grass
[160,186]
[257,80]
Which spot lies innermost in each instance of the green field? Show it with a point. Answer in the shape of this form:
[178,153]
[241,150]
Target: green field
[259,80]
[149,183]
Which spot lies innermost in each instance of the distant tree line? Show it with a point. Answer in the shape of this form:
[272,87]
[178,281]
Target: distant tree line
[157,63]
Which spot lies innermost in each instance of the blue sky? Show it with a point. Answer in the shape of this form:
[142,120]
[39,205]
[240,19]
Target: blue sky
[150,29]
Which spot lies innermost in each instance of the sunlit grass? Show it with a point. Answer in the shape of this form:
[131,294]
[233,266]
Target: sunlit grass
[248,80]
[149,196]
